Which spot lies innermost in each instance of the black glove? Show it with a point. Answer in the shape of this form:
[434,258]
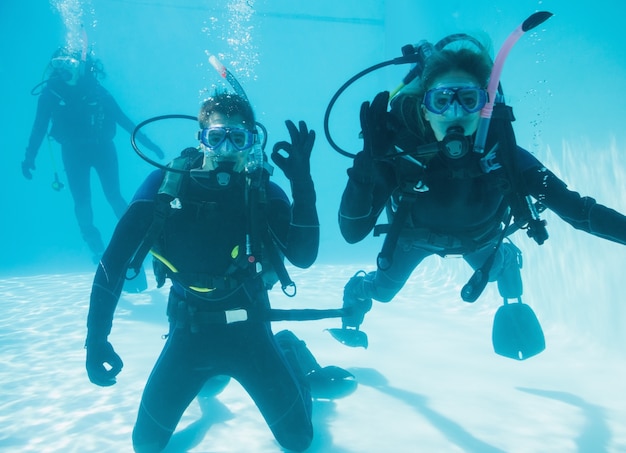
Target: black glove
[355,303]
[296,165]
[377,137]
[355,311]
[100,353]
[376,126]
[27,165]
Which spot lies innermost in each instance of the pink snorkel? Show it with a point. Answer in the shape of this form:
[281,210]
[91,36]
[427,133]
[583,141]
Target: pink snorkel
[485,114]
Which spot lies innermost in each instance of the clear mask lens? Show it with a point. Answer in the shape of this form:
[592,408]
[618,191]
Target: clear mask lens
[471,99]
[214,137]
[65,64]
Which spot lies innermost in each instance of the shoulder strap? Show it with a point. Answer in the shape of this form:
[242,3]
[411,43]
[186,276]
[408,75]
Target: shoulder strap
[161,212]
[261,243]
[169,191]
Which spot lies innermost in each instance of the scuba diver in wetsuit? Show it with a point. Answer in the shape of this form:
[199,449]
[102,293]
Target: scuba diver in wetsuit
[82,116]
[214,221]
[444,196]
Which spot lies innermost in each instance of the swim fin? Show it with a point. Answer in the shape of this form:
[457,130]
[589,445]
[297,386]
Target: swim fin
[350,337]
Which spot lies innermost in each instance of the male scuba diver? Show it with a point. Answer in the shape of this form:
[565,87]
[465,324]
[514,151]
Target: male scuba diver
[219,229]
[82,116]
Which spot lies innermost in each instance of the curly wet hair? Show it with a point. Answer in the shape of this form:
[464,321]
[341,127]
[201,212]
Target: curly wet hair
[229,104]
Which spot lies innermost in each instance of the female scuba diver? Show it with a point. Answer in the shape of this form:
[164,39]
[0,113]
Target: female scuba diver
[443,195]
[82,116]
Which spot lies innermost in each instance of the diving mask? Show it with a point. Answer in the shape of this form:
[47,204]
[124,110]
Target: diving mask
[68,68]
[470,98]
[232,145]
[214,137]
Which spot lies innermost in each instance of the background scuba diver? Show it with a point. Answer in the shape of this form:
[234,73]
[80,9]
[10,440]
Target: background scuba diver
[83,117]
[446,199]
[208,244]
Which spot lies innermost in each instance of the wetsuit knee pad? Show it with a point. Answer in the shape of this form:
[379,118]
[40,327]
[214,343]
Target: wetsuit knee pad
[148,445]
[295,439]
[148,436]
[300,444]
[296,352]
[380,286]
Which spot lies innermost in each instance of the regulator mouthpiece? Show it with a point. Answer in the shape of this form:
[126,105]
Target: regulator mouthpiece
[455,144]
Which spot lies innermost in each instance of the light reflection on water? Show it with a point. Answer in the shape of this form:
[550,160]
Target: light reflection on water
[576,278]
[574,283]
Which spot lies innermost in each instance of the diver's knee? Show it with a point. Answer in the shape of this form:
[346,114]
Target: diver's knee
[149,436]
[297,440]
[380,288]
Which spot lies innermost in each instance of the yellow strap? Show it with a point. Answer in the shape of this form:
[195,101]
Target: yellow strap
[396,91]
[202,290]
[171,267]
[162,259]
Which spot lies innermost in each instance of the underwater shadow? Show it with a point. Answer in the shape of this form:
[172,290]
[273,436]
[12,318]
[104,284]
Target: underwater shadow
[213,412]
[324,411]
[147,306]
[595,433]
[454,432]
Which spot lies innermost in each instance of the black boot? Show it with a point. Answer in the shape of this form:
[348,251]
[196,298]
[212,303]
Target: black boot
[355,301]
[329,382]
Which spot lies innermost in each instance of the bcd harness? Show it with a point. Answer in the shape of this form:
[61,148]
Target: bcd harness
[261,254]
[519,210]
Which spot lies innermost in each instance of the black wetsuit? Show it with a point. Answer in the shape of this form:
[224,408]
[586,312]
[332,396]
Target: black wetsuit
[204,244]
[456,210]
[84,119]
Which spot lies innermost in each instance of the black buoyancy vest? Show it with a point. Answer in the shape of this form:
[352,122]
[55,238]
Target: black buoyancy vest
[507,181]
[228,225]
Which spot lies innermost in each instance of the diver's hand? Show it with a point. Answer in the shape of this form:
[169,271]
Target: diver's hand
[375,126]
[27,165]
[355,303]
[355,311]
[377,138]
[99,354]
[296,164]
[143,138]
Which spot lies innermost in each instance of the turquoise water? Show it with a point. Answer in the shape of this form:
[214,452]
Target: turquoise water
[565,83]
[564,80]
